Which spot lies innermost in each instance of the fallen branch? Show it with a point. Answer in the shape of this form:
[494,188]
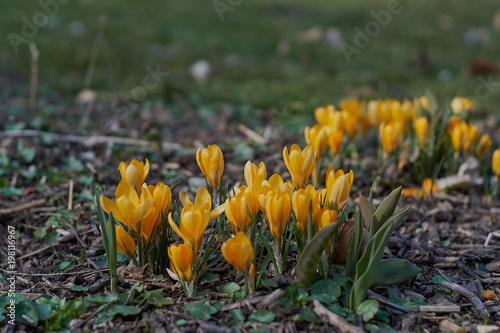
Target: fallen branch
[386,301]
[28,205]
[334,319]
[440,308]
[263,300]
[467,294]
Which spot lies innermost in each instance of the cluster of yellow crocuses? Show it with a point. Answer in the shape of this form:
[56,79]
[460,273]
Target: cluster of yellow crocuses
[142,209]
[138,206]
[396,122]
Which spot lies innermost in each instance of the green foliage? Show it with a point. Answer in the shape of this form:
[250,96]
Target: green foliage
[308,262]
[108,230]
[155,297]
[368,309]
[200,309]
[262,316]
[394,271]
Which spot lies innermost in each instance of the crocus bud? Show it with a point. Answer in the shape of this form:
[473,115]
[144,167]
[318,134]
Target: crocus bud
[495,163]
[483,146]
[300,164]
[338,187]
[390,135]
[302,200]
[317,137]
[254,175]
[181,257]
[278,208]
[211,162]
[239,252]
[134,173]
[421,125]
[241,208]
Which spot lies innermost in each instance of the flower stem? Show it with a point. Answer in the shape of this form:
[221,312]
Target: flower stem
[277,255]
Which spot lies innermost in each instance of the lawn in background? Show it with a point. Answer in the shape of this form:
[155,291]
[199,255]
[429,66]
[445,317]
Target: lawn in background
[263,54]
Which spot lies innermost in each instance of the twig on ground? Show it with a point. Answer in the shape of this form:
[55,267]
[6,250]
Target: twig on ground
[263,300]
[57,274]
[386,301]
[440,308]
[334,319]
[26,206]
[469,295]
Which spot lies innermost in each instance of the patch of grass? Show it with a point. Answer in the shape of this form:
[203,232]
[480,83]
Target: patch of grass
[244,49]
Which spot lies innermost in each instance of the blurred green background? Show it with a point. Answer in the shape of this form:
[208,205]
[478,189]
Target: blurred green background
[282,54]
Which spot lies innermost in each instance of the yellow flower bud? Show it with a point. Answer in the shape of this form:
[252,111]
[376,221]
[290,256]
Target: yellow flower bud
[470,138]
[241,208]
[302,200]
[483,146]
[459,104]
[317,137]
[421,125]
[239,252]
[300,164]
[458,135]
[335,140]
[275,184]
[254,175]
[350,122]
[124,242]
[203,201]
[278,208]
[134,173]
[324,216]
[181,258]
[495,163]
[163,196]
[211,162]
[338,187]
[390,136]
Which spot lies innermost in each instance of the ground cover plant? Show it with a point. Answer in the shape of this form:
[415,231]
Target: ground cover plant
[295,186]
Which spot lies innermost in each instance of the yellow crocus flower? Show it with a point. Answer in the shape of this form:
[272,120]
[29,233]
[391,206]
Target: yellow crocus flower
[317,137]
[162,195]
[124,242]
[134,173]
[421,125]
[458,134]
[324,216]
[470,138]
[241,208]
[335,140]
[350,122]
[128,208]
[278,208]
[302,199]
[483,146]
[254,175]
[390,135]
[203,200]
[338,187]
[495,163]
[239,252]
[300,164]
[194,221]
[324,114]
[211,162]
[275,184]
[459,104]
[181,258]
